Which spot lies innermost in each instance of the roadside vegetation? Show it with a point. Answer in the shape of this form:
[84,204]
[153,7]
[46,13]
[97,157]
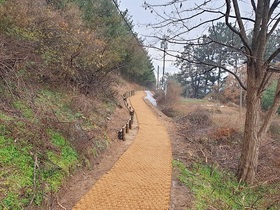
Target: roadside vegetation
[61,64]
[214,188]
[207,155]
[244,45]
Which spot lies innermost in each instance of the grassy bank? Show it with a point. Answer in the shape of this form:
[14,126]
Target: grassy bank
[45,140]
[214,188]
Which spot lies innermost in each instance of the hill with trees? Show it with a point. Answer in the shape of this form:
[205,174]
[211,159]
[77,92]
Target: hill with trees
[62,63]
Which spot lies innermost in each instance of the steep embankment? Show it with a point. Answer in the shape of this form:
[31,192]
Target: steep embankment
[45,141]
[60,83]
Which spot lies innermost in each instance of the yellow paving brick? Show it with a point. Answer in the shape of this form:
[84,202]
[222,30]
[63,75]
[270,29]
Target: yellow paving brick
[141,178]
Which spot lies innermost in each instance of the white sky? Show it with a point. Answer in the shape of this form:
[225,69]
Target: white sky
[141,18]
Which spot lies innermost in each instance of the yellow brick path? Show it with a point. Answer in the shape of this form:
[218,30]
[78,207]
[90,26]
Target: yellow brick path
[141,178]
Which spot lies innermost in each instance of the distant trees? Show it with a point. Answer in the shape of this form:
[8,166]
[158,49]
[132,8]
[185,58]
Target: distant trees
[196,80]
[196,76]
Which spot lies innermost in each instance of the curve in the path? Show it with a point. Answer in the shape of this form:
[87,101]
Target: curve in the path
[141,178]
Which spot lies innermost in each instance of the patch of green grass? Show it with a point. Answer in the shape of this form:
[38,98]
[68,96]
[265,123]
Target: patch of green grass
[17,173]
[219,190]
[58,104]
[69,157]
[25,110]
[64,160]
[21,33]
[3,130]
[21,145]
[17,170]
[4,116]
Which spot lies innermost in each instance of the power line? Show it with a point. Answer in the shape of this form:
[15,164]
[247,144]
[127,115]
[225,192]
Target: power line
[129,25]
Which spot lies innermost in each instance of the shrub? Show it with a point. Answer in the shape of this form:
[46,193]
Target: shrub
[169,99]
[200,118]
[274,129]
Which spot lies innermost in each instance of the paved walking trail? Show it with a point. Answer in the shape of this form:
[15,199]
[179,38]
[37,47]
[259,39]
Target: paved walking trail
[141,178]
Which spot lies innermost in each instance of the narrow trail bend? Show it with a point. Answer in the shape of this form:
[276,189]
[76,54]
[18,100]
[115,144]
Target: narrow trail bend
[141,178]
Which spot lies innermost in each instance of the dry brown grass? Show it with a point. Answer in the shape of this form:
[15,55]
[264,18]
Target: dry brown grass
[220,142]
[168,100]
[221,115]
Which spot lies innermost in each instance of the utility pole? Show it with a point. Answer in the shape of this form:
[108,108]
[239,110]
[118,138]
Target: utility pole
[157,77]
[163,45]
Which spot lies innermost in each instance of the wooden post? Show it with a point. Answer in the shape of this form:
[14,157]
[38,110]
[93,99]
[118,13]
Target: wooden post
[120,136]
[127,127]
[123,133]
[131,115]
[130,123]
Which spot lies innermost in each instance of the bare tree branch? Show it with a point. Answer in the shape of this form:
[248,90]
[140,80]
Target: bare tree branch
[213,65]
[273,7]
[271,111]
[265,81]
[242,33]
[261,36]
[197,26]
[253,3]
[167,4]
[228,46]
[272,56]
[274,69]
[170,21]
[274,26]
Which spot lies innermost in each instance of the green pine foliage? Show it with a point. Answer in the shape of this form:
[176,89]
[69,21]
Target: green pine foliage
[268,96]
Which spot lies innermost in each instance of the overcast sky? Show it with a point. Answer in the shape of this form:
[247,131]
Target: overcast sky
[180,31]
[141,18]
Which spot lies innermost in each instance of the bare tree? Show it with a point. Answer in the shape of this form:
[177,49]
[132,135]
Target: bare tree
[254,21]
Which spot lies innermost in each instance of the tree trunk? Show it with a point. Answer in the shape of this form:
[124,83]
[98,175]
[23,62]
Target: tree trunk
[250,149]
[255,128]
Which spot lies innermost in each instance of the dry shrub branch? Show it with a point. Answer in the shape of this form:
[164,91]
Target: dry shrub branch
[168,99]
